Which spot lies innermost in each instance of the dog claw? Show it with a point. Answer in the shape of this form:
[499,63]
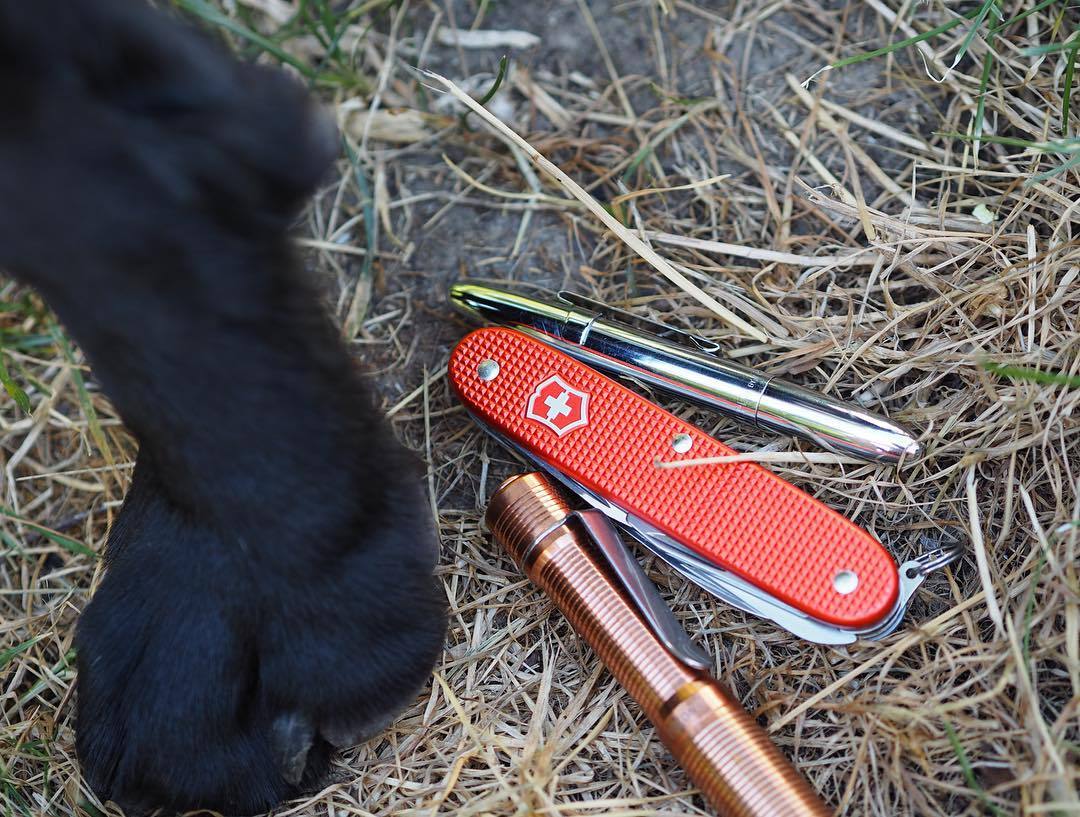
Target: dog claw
[292,736]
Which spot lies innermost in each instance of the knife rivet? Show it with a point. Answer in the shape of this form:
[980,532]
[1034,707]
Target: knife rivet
[682,443]
[845,582]
[487,370]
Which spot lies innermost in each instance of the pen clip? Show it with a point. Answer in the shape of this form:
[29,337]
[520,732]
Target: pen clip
[702,343]
[642,592]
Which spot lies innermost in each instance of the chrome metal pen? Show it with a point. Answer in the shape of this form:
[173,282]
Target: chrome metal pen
[606,339]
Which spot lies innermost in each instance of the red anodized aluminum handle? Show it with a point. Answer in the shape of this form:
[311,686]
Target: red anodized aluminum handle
[738,516]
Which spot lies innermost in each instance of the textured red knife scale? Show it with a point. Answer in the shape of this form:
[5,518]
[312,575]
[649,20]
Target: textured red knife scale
[738,515]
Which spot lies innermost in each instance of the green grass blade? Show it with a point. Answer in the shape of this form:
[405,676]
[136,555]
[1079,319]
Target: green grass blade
[1029,609]
[499,77]
[367,204]
[1070,66]
[211,15]
[12,795]
[980,109]
[336,31]
[96,432]
[11,543]
[13,389]
[1033,375]
[494,89]
[650,147]
[56,669]
[969,772]
[1052,48]
[1074,161]
[918,38]
[325,16]
[1065,146]
[66,542]
[1022,15]
[91,809]
[966,44]
[7,655]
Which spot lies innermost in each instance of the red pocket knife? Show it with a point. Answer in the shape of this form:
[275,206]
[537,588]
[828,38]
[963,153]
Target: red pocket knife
[735,529]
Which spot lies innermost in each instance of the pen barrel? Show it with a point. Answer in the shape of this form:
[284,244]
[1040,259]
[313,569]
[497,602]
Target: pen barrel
[618,348]
[739,391]
[723,750]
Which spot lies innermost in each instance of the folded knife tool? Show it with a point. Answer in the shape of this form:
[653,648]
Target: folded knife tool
[734,528]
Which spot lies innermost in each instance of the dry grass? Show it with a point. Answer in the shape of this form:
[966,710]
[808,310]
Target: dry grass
[847,233]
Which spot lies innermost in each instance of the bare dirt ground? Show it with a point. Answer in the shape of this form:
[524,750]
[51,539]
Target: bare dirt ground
[905,266]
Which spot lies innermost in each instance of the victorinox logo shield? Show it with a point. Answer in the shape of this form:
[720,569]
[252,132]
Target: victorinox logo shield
[558,406]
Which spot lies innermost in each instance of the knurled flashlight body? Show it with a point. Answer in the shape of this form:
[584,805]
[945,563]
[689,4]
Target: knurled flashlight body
[723,750]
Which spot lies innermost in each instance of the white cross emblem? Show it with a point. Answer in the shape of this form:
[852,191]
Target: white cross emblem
[557,405]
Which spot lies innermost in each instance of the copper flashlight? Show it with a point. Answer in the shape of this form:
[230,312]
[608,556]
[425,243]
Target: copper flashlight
[576,558]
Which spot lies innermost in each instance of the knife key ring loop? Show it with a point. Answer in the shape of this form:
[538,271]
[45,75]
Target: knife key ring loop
[914,571]
[933,560]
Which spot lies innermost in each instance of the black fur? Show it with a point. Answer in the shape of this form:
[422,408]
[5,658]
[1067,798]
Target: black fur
[269,591]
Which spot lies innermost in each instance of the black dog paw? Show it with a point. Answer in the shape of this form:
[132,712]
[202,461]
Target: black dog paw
[270,591]
[219,676]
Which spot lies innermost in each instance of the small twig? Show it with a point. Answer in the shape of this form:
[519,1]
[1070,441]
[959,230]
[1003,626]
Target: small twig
[979,547]
[774,457]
